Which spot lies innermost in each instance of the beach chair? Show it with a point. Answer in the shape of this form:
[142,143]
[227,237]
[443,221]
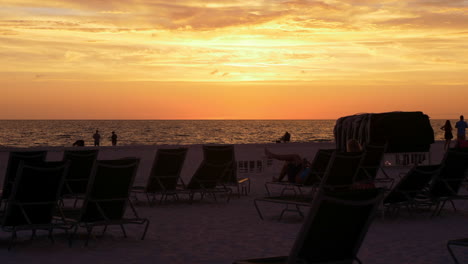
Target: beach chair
[81,164]
[317,169]
[14,159]
[165,175]
[205,181]
[334,230]
[412,190]
[446,186]
[371,166]
[33,199]
[106,200]
[222,154]
[340,174]
[461,242]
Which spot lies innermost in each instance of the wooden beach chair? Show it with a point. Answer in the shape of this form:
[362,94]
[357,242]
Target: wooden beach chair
[14,159]
[164,177]
[34,198]
[317,170]
[222,154]
[340,174]
[81,164]
[106,200]
[334,230]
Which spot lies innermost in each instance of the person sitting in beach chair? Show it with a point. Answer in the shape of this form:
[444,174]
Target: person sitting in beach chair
[295,167]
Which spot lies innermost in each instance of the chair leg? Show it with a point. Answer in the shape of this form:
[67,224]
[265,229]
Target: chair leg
[146,229]
[70,237]
[12,239]
[452,254]
[89,229]
[104,230]
[123,230]
[51,237]
[258,209]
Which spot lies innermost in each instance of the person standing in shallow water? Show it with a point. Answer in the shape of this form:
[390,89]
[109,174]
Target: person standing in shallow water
[448,133]
[114,138]
[97,138]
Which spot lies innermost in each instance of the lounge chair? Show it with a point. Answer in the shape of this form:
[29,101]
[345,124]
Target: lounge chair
[340,174]
[205,181]
[33,199]
[14,160]
[317,169]
[222,154]
[106,200]
[446,186]
[81,165]
[165,175]
[412,190]
[371,166]
[334,230]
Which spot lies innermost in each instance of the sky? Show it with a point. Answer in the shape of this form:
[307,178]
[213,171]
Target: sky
[232,59]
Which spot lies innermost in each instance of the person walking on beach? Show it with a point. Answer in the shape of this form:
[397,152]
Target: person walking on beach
[461,129]
[114,138]
[447,133]
[97,138]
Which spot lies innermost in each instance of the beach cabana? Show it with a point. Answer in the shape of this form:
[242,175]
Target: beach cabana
[401,132]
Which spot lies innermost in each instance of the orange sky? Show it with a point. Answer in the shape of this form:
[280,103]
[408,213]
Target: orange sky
[271,59]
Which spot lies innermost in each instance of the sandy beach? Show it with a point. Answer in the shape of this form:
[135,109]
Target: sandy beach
[210,232]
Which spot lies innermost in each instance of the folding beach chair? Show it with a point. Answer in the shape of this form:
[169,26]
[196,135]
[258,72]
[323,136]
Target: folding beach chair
[81,165]
[334,230]
[371,166]
[165,174]
[340,174]
[106,199]
[14,160]
[206,179]
[461,242]
[412,190]
[317,170]
[223,154]
[33,199]
[446,186]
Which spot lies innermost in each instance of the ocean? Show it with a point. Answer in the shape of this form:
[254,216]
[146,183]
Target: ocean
[33,133]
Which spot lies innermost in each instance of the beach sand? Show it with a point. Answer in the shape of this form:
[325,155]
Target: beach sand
[210,232]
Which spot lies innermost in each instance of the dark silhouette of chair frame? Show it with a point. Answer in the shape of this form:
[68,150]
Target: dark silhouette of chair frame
[205,181]
[446,186]
[317,170]
[106,200]
[164,177]
[34,198]
[340,174]
[412,190]
[334,230]
[223,154]
[372,164]
[81,165]
[14,159]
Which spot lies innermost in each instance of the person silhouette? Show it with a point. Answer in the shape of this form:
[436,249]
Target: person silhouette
[447,133]
[461,129]
[97,138]
[114,138]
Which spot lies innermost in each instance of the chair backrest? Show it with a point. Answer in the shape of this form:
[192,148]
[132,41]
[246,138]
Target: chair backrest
[319,166]
[109,189]
[335,226]
[14,160]
[35,193]
[341,171]
[412,184]
[222,154]
[452,174]
[371,162]
[166,169]
[81,164]
[208,175]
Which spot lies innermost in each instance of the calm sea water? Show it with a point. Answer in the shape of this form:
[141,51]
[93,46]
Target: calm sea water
[29,133]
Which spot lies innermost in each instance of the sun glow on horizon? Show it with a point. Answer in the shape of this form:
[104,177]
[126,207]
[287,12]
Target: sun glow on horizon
[309,59]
